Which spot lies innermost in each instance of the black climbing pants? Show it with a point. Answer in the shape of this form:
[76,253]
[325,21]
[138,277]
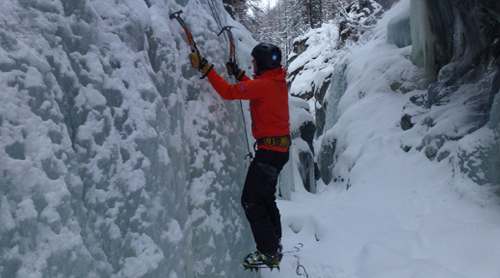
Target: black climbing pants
[259,200]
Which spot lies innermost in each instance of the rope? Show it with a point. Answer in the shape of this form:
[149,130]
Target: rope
[300,267]
[297,248]
[250,154]
[215,14]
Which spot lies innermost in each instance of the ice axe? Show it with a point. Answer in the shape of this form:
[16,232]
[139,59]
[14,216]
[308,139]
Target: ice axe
[184,26]
[232,57]
[232,54]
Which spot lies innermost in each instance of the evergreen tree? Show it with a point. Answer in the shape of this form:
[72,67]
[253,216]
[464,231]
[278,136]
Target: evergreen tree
[357,18]
[237,9]
[314,10]
[287,20]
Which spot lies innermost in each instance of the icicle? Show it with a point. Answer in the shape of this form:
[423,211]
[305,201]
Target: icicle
[423,51]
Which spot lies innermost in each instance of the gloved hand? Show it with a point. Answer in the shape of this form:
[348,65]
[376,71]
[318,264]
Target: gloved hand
[232,69]
[200,63]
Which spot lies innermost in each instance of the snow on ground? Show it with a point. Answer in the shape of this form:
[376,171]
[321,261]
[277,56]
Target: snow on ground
[403,215]
[400,218]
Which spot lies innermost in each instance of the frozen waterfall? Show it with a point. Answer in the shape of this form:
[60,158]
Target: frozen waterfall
[116,160]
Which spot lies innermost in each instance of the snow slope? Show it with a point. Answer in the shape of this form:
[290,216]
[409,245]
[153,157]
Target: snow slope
[403,214]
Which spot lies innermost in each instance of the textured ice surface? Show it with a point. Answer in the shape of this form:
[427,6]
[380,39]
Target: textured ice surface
[116,160]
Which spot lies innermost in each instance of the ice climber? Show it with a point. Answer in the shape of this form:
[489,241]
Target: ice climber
[268,95]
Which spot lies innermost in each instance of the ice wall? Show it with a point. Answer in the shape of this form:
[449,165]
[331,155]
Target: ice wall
[115,159]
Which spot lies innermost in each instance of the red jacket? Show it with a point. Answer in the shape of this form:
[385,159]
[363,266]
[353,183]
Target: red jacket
[268,95]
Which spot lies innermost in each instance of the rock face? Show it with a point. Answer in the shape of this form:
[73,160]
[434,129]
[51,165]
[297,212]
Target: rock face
[457,42]
[454,108]
[387,3]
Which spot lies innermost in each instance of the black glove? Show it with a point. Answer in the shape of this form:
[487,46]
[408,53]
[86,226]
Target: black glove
[232,69]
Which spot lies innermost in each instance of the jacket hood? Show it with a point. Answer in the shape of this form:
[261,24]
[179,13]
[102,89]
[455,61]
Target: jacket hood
[277,74]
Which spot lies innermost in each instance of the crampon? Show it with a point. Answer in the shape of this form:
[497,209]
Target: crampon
[257,260]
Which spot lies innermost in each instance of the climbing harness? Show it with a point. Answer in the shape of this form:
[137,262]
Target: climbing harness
[282,141]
